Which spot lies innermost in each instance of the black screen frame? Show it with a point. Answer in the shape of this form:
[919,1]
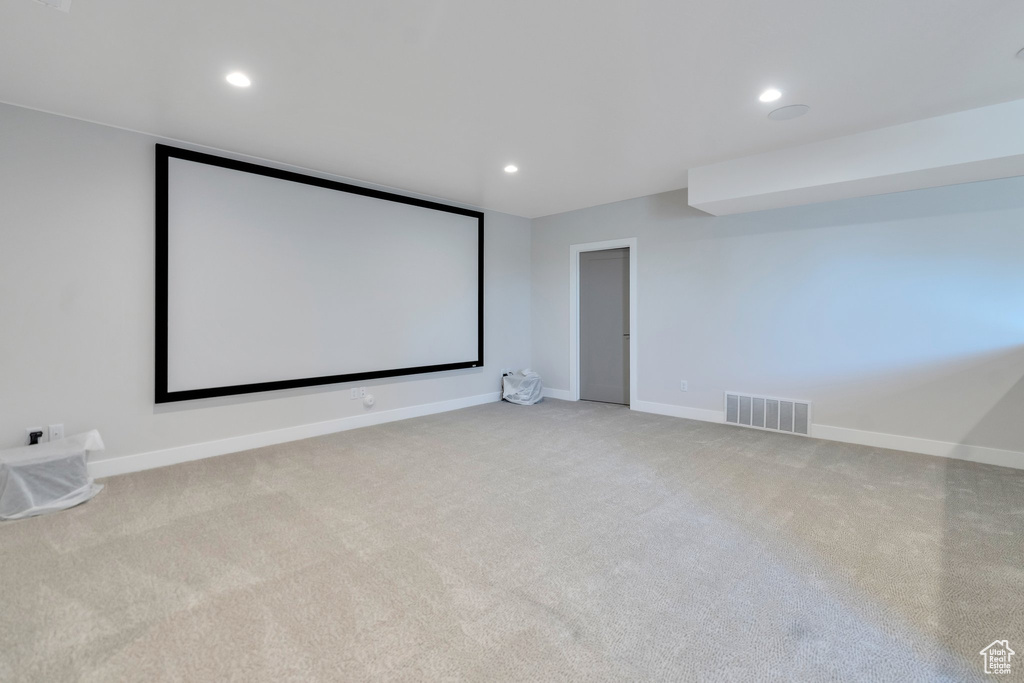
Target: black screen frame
[164,153]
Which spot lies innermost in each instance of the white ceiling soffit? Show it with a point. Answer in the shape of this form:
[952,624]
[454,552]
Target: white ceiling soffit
[980,144]
[594,101]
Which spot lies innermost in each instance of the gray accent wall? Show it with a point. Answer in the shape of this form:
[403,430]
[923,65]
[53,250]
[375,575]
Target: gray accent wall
[897,314]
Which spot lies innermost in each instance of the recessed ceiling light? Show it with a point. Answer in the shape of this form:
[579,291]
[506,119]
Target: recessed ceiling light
[511,168]
[790,112]
[770,95]
[239,79]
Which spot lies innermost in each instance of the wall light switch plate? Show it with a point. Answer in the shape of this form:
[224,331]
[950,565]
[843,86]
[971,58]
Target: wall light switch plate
[355,393]
[684,385]
[56,432]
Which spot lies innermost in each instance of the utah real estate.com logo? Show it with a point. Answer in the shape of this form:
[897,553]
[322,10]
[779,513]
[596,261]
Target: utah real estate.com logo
[997,657]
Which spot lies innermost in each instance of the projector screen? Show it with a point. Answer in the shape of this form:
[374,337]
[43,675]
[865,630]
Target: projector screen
[270,279]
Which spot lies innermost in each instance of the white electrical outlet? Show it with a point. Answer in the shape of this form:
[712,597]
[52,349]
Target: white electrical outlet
[28,434]
[684,385]
[362,392]
[355,393]
[56,432]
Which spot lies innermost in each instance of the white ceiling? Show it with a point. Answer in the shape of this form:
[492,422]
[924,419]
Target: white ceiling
[594,100]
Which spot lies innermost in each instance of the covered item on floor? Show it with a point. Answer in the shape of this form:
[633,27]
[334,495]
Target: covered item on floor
[47,477]
[521,387]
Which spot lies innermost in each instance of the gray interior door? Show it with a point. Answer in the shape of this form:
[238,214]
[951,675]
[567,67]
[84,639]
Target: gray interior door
[604,326]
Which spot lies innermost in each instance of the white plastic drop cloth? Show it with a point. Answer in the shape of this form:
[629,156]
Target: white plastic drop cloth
[47,477]
[523,387]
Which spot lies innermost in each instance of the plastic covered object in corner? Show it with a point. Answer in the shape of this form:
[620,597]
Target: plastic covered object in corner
[522,387]
[47,477]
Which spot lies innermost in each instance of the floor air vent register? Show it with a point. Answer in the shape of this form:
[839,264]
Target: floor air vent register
[763,412]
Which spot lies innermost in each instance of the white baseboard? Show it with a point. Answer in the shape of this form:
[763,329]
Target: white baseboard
[170,456]
[208,449]
[679,411]
[944,449]
[560,394]
[912,444]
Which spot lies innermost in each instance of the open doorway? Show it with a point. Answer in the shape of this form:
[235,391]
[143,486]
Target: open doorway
[604,326]
[602,335]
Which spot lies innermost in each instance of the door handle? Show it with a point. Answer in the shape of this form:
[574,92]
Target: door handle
[626,334]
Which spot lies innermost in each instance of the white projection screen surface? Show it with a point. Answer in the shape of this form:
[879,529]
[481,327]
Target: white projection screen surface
[269,279]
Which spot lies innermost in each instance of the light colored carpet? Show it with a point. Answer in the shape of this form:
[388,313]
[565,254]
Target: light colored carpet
[563,541]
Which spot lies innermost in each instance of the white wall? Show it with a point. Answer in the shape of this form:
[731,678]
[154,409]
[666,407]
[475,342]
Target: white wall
[900,314]
[77,312]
